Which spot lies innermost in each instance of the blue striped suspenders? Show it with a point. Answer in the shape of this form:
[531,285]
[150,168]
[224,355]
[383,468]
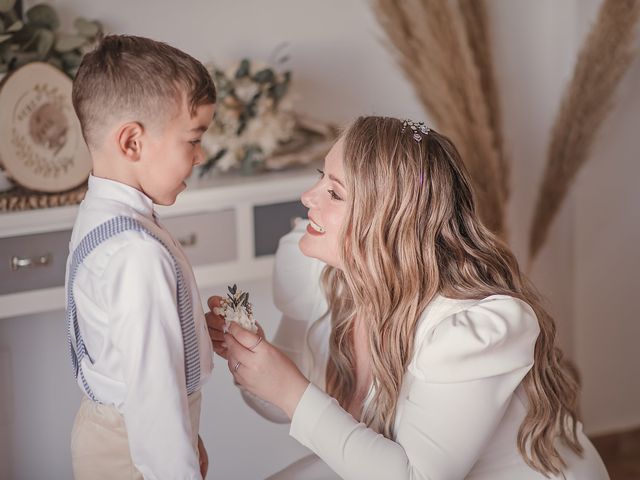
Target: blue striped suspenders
[78,350]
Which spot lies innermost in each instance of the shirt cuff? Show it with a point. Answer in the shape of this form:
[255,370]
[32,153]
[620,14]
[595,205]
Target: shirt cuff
[312,405]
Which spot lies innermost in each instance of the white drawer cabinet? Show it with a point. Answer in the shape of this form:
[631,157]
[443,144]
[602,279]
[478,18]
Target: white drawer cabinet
[34,261]
[207,238]
[229,227]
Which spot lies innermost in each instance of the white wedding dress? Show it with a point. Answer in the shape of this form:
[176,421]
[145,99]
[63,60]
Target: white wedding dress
[460,406]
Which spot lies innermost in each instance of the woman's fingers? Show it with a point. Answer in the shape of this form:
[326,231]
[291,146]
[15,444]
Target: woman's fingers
[231,347]
[246,338]
[237,350]
[260,331]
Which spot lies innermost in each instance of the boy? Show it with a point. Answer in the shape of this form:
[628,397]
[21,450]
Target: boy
[137,334]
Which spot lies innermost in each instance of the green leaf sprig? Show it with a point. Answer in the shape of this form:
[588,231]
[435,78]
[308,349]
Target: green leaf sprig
[238,299]
[36,38]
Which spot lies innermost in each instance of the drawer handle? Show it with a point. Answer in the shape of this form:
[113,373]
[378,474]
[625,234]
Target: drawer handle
[189,241]
[25,262]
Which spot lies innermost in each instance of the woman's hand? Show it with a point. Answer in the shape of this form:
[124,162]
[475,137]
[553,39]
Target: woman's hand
[263,370]
[216,326]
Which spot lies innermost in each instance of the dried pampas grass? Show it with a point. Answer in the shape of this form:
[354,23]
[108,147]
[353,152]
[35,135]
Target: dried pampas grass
[476,22]
[602,62]
[455,84]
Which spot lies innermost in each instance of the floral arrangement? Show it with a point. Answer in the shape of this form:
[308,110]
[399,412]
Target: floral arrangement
[255,127]
[237,308]
[35,38]
[252,117]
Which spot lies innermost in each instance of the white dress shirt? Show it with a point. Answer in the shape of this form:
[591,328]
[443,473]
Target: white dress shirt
[125,293]
[460,406]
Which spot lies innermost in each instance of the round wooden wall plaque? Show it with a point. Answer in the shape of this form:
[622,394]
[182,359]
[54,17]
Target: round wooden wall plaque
[41,144]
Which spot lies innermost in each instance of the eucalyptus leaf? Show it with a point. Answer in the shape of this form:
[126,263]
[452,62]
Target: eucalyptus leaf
[248,166]
[278,91]
[45,41]
[15,26]
[243,69]
[204,168]
[211,162]
[219,155]
[43,15]
[71,59]
[56,62]
[251,110]
[264,76]
[67,43]
[242,124]
[252,159]
[25,39]
[86,28]
[7,5]
[71,72]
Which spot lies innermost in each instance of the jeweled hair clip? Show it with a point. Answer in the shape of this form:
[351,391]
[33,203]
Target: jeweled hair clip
[417,128]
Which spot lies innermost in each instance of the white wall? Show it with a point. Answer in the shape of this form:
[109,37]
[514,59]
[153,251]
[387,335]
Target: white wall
[607,260]
[533,46]
[587,271]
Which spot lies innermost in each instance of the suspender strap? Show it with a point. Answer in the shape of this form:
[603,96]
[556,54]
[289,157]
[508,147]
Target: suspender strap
[78,349]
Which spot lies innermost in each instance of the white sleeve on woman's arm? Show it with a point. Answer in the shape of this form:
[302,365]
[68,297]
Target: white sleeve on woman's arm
[145,327]
[467,368]
[297,294]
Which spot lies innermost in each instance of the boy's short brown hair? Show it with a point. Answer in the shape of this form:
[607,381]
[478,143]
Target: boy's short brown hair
[139,78]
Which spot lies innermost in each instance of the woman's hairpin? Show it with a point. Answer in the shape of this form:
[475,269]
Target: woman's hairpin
[417,129]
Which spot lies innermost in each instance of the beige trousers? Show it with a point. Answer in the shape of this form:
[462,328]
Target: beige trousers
[99,442]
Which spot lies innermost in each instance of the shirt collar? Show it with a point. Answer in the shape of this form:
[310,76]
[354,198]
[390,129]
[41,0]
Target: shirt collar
[121,193]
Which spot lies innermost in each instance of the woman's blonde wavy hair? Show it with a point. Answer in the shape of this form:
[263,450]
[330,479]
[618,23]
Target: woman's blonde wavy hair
[411,233]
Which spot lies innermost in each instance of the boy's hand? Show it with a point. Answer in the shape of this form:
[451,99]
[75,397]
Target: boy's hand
[204,458]
[216,327]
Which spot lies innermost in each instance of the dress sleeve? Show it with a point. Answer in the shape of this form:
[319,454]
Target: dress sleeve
[297,291]
[466,370]
[140,284]
[297,294]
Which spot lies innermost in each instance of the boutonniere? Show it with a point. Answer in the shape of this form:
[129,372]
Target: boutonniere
[237,308]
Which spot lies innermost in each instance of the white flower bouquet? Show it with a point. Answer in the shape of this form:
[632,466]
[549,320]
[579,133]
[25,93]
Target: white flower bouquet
[237,308]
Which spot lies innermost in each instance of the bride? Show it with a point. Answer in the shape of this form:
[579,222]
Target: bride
[411,346]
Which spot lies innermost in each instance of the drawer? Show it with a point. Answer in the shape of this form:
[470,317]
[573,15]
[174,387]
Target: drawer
[206,238]
[271,222]
[32,262]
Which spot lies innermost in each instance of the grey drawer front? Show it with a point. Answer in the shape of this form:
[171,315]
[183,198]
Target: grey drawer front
[271,222]
[206,237]
[54,246]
